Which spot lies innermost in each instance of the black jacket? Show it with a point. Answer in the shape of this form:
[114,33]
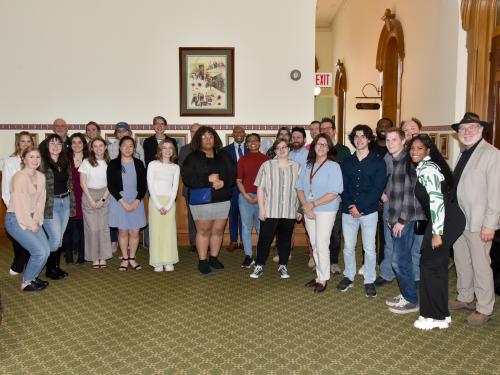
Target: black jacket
[115,182]
[150,146]
[197,167]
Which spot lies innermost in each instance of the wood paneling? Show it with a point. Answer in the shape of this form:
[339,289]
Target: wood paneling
[340,91]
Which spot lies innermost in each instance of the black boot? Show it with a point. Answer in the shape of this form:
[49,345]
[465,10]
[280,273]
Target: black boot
[51,271]
[58,263]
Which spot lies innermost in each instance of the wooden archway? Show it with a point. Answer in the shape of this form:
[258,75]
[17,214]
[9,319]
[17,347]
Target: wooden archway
[340,90]
[481,20]
[390,57]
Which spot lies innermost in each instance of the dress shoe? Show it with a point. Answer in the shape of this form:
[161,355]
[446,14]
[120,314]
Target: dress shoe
[454,305]
[52,273]
[32,287]
[232,246]
[40,282]
[478,319]
[311,284]
[319,288]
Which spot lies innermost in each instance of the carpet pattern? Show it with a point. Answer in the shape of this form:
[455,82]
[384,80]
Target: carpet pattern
[142,322]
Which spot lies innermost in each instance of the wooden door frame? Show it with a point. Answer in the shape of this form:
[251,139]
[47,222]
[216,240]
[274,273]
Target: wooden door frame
[392,30]
[340,90]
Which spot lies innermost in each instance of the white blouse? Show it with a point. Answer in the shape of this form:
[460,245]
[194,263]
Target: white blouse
[96,176]
[10,167]
[163,180]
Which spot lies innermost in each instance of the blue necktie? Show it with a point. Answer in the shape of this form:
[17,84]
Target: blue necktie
[240,151]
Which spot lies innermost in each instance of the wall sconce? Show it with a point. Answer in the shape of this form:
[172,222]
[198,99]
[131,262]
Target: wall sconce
[372,106]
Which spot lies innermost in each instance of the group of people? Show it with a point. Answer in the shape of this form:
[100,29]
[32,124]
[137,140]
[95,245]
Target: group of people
[396,186]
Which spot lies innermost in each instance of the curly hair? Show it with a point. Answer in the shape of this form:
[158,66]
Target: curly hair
[367,131]
[196,141]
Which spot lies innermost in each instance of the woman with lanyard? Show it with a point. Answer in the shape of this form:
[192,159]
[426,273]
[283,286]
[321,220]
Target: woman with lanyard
[318,189]
[60,204]
[277,200]
[10,167]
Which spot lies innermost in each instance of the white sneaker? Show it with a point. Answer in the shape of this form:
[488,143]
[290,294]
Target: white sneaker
[168,267]
[257,272]
[429,323]
[361,271]
[159,269]
[447,319]
[283,272]
[12,272]
[395,301]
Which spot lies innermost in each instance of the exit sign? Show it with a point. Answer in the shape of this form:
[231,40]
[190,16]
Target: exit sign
[323,79]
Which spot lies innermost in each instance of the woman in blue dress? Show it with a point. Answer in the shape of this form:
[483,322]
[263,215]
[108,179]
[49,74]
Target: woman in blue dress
[127,184]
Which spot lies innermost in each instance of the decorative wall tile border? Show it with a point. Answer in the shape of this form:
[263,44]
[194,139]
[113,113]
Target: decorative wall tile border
[137,127]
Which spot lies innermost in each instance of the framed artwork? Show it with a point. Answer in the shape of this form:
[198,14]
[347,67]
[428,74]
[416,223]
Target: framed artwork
[141,137]
[110,138]
[444,140]
[266,141]
[34,139]
[433,137]
[206,81]
[181,139]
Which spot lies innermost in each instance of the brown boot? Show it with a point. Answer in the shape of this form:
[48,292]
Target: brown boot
[477,319]
[454,305]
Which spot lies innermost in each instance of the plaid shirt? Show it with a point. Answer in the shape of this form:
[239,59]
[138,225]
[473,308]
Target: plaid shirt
[402,205]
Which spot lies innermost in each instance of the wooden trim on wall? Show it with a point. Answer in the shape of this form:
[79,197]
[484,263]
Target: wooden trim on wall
[340,90]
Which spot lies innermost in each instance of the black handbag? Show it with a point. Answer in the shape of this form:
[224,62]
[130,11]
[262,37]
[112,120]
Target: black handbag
[199,196]
[420,226]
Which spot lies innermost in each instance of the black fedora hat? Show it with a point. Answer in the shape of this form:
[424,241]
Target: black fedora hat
[471,118]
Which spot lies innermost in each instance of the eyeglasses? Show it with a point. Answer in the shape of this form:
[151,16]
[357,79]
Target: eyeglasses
[468,129]
[322,145]
[326,128]
[279,148]
[207,136]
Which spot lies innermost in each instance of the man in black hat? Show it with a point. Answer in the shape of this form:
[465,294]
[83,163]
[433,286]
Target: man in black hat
[477,188]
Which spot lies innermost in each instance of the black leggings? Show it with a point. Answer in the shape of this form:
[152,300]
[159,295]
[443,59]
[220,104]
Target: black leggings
[283,229]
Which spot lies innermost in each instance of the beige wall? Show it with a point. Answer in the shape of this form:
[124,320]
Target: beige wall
[118,59]
[434,77]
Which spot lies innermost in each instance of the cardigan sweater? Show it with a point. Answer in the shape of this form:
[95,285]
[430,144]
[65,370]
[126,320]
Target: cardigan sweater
[49,187]
[115,181]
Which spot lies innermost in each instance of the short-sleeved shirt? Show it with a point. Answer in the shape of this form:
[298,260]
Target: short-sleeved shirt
[300,156]
[280,197]
[248,167]
[328,179]
[96,176]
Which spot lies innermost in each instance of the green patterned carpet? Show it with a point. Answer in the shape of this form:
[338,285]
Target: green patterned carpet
[111,322]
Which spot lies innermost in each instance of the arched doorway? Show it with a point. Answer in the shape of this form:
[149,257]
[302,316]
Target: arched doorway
[390,56]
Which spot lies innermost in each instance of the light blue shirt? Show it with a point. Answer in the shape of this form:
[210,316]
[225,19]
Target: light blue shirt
[327,180]
[300,156]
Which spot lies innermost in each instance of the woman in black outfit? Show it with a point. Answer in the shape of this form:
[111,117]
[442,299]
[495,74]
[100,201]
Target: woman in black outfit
[210,175]
[445,223]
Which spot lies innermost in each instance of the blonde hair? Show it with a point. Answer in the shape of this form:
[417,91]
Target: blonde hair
[26,152]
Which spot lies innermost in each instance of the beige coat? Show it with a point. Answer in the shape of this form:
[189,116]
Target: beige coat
[478,191]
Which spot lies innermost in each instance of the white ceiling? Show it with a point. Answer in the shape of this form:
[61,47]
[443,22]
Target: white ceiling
[325,11]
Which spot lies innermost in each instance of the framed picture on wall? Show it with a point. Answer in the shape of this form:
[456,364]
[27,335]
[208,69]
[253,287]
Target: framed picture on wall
[266,141]
[110,138]
[206,81]
[141,137]
[444,140]
[434,138]
[34,138]
[181,139]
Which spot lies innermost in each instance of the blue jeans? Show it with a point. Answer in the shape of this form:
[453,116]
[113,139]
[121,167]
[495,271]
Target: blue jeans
[415,255]
[249,214]
[35,243]
[350,227]
[56,226]
[386,271]
[403,264]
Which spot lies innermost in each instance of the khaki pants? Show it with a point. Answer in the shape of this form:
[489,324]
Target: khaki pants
[474,274]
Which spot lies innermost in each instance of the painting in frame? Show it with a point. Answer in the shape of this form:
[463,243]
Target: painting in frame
[266,141]
[206,81]
[444,140]
[180,139]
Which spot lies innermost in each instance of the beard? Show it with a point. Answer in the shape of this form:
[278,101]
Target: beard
[297,146]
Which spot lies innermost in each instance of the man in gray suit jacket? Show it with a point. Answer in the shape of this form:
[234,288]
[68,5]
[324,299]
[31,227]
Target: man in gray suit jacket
[477,184]
[183,154]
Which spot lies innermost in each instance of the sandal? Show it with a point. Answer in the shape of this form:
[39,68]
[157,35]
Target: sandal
[96,266]
[137,267]
[122,267]
[103,265]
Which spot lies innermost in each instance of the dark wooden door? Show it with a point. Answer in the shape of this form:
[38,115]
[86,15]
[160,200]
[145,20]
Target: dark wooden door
[493,135]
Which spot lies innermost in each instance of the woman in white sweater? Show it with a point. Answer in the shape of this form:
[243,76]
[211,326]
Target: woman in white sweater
[163,182]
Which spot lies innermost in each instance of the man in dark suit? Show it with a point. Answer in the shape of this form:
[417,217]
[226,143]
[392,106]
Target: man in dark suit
[183,154]
[236,150]
[150,144]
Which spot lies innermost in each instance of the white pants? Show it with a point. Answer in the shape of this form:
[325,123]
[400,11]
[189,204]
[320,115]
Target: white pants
[319,231]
